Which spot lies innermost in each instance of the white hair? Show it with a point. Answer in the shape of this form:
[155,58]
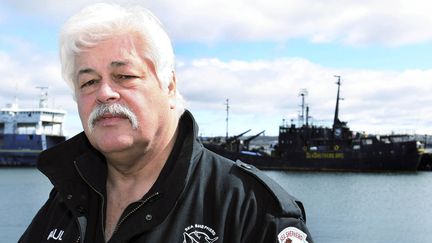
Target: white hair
[102,21]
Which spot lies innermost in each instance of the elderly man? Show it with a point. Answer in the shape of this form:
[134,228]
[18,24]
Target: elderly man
[138,172]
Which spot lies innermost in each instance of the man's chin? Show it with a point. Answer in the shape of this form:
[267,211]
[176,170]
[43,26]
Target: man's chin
[112,147]
[110,141]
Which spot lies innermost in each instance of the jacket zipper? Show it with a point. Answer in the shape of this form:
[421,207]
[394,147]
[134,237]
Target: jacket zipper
[100,194]
[80,232]
[154,195]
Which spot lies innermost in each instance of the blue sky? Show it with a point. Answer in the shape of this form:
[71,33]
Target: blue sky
[333,55]
[259,54]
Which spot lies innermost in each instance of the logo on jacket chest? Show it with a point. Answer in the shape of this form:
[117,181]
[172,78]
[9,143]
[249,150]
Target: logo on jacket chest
[199,233]
[56,234]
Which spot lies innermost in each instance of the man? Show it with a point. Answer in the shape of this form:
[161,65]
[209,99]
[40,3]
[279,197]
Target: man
[138,173]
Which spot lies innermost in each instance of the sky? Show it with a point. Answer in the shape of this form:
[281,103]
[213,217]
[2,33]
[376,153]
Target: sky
[259,54]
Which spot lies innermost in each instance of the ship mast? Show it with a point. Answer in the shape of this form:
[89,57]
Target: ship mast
[303,93]
[336,121]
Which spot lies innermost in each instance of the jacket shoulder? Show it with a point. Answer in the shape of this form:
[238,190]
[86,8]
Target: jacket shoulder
[288,205]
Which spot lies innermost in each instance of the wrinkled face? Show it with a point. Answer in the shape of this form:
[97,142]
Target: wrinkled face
[116,76]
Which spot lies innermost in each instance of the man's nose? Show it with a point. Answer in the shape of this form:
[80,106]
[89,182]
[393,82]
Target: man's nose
[107,93]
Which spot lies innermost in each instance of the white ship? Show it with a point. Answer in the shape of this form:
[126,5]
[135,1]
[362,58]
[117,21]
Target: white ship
[25,132]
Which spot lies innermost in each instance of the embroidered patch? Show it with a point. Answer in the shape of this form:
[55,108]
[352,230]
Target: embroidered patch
[292,235]
[199,233]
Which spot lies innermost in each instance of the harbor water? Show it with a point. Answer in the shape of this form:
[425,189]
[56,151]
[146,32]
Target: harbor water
[341,207]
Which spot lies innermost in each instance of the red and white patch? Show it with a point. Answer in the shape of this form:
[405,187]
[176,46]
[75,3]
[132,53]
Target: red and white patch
[292,235]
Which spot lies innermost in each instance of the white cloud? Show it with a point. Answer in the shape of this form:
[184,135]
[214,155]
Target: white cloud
[382,22]
[374,101]
[349,22]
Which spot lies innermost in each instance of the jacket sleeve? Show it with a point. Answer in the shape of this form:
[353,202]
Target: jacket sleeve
[285,229]
[271,228]
[282,220]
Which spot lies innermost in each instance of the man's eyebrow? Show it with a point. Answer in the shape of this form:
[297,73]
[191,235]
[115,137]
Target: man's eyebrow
[119,63]
[85,70]
[113,64]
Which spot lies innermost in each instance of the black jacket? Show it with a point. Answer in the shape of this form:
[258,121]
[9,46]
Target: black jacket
[198,197]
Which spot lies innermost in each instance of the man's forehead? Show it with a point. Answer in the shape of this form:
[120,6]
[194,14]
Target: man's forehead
[114,49]
[113,53]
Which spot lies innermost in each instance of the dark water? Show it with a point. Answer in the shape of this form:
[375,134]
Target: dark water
[341,207]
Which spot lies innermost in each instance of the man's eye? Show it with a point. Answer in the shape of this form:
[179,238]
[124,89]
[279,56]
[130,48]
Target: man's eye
[88,83]
[125,77]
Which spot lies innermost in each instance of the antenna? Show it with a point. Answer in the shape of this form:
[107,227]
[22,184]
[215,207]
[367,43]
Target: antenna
[43,99]
[15,104]
[303,93]
[227,115]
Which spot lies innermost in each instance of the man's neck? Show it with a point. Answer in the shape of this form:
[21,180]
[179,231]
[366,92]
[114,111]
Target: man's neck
[129,181]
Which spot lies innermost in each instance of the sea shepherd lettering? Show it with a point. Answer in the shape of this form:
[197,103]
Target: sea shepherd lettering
[56,235]
[199,233]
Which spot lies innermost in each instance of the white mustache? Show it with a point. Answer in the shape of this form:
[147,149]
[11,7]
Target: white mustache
[114,109]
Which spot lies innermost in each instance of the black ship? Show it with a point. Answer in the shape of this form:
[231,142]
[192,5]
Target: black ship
[318,148]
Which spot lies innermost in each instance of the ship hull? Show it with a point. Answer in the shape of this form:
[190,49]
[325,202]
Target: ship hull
[404,158]
[23,149]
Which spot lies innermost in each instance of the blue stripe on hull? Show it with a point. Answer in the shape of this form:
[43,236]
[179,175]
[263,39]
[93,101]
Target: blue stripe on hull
[23,150]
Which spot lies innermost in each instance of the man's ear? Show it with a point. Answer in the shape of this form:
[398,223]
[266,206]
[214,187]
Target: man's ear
[172,90]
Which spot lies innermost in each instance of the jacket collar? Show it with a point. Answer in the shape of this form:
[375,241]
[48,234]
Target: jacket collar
[58,162]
